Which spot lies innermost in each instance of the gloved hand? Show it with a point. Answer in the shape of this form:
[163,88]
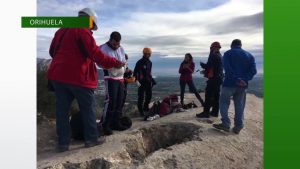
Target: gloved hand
[138,83]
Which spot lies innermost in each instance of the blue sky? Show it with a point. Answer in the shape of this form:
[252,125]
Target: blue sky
[170,27]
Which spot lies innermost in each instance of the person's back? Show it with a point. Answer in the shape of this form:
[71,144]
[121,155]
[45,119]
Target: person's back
[238,64]
[71,59]
[239,68]
[73,75]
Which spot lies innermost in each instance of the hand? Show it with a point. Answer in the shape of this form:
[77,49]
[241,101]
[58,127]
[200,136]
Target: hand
[242,83]
[138,83]
[121,64]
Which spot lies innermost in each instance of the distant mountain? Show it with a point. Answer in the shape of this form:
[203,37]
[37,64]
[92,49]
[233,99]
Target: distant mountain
[42,64]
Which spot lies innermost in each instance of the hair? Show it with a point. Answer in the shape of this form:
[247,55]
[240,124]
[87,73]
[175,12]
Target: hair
[115,36]
[190,56]
[236,43]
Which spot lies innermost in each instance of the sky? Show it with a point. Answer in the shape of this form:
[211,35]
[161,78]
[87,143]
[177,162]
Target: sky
[170,28]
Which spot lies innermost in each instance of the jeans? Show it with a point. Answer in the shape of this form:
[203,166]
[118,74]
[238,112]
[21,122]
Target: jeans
[239,99]
[65,94]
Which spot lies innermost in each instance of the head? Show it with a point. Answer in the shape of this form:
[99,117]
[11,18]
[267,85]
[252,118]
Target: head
[87,12]
[236,43]
[115,40]
[215,47]
[147,52]
[188,57]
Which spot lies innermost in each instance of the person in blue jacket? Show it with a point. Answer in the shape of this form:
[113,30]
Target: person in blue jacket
[240,68]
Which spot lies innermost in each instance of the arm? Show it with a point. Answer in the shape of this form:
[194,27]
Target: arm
[53,45]
[218,64]
[94,53]
[191,68]
[252,70]
[180,68]
[136,70]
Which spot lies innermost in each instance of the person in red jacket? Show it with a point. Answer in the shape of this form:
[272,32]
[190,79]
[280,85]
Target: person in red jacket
[73,75]
[186,70]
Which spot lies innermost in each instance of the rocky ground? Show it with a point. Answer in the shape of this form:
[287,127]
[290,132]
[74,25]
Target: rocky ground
[178,140]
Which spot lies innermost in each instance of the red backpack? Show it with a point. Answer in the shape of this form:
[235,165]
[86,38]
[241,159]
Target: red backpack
[164,109]
[167,103]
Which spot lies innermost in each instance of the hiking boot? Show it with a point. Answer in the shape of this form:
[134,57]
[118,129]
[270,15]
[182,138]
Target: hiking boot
[221,126]
[61,149]
[202,115]
[236,130]
[100,140]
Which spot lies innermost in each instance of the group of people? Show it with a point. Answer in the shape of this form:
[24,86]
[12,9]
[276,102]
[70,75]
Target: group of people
[239,66]
[73,74]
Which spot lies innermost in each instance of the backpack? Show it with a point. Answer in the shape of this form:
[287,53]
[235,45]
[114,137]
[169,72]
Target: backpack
[171,99]
[77,129]
[76,124]
[126,121]
[155,109]
[164,109]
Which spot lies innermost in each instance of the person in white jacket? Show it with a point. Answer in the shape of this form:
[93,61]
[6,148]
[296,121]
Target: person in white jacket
[114,84]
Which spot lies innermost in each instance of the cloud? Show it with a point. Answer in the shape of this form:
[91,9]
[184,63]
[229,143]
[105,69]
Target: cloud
[239,24]
[170,29]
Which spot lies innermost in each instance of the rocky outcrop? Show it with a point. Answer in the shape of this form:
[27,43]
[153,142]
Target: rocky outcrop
[178,140]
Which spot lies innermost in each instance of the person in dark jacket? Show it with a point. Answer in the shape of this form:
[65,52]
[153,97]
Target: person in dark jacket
[213,70]
[186,70]
[240,67]
[142,73]
[73,75]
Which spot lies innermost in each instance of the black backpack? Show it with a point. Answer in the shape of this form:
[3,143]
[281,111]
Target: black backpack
[126,121]
[155,109]
[77,126]
[77,129]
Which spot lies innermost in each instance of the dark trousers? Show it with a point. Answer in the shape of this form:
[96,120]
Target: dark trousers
[144,93]
[125,95]
[114,102]
[65,94]
[212,95]
[192,88]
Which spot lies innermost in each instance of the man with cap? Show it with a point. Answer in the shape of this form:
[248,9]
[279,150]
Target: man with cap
[143,74]
[213,70]
[73,75]
[240,67]
[114,82]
